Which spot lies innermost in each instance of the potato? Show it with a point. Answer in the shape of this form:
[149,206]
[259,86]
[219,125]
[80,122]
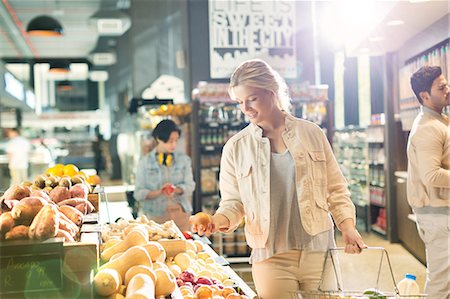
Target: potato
[27,208]
[59,193]
[65,182]
[51,181]
[19,232]
[6,222]
[16,192]
[45,224]
[39,181]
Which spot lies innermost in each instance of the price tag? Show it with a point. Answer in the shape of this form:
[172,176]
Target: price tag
[29,266]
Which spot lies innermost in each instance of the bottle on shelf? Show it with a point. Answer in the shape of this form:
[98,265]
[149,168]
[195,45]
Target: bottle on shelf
[408,286]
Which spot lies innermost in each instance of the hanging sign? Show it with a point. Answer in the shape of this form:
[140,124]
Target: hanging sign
[241,30]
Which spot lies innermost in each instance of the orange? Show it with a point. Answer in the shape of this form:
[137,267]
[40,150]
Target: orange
[201,218]
[55,171]
[233,296]
[227,291]
[70,170]
[204,292]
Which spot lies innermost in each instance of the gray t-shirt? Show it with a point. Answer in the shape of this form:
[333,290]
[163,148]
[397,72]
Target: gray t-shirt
[286,231]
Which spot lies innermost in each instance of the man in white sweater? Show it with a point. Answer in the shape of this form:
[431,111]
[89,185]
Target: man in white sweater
[429,176]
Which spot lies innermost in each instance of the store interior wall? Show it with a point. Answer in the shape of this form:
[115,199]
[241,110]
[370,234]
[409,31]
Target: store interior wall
[199,43]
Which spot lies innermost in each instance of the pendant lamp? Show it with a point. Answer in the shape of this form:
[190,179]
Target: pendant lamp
[44,26]
[59,66]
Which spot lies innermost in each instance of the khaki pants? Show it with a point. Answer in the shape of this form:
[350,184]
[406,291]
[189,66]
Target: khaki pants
[435,232]
[284,275]
[18,175]
[175,212]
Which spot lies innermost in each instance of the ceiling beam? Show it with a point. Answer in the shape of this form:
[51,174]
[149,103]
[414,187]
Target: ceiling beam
[17,36]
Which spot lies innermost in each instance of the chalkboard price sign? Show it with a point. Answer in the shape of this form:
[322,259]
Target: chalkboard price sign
[27,266]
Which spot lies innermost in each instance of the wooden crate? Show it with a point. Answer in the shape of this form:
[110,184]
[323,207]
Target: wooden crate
[94,199]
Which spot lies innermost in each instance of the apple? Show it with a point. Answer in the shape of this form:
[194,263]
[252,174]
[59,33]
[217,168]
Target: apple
[180,282]
[204,280]
[169,189]
[187,276]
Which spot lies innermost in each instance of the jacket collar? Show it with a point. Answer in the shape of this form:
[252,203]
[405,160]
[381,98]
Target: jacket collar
[288,121]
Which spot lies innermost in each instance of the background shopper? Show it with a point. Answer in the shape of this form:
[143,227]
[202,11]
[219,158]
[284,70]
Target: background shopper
[164,182]
[281,175]
[17,149]
[428,182]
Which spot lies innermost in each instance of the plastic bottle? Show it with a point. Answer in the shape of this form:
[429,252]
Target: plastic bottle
[408,286]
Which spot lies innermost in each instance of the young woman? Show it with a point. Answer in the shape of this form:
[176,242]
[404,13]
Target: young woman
[280,175]
[164,182]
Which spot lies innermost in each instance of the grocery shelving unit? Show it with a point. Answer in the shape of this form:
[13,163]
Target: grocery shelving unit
[215,119]
[377,181]
[351,151]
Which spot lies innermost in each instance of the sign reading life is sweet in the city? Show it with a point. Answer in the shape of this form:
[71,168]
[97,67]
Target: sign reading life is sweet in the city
[241,30]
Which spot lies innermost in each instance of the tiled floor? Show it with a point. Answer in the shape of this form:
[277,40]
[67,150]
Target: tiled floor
[360,272]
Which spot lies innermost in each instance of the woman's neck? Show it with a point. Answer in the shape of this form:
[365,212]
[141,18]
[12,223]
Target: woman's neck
[275,124]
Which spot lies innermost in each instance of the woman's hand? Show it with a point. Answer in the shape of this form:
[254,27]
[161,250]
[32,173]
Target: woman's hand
[204,224]
[168,190]
[352,239]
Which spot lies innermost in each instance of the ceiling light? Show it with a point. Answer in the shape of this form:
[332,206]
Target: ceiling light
[395,23]
[111,23]
[44,26]
[59,66]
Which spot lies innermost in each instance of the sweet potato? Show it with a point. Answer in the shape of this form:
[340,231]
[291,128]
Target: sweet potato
[59,193]
[42,194]
[73,214]
[66,235]
[45,224]
[17,192]
[6,222]
[8,204]
[79,190]
[19,232]
[85,207]
[72,201]
[67,225]
[27,209]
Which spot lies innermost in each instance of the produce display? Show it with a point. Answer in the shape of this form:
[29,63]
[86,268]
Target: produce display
[53,205]
[144,259]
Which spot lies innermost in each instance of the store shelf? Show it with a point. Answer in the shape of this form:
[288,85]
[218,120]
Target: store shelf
[351,151]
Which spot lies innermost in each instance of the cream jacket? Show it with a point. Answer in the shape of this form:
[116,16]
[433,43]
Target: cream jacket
[245,180]
[428,181]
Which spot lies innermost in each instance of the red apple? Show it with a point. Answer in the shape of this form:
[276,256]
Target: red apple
[204,280]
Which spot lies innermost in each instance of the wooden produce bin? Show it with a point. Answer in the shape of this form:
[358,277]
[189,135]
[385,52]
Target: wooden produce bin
[94,199]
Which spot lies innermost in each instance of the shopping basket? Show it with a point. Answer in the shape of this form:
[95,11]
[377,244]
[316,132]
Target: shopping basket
[376,275]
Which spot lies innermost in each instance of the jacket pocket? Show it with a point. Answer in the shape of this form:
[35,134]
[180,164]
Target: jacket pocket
[245,183]
[252,226]
[319,167]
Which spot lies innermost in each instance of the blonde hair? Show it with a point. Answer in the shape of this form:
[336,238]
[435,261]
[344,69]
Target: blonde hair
[257,73]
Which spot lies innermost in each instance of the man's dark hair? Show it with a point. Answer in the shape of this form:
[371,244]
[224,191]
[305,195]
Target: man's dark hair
[163,130]
[423,78]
